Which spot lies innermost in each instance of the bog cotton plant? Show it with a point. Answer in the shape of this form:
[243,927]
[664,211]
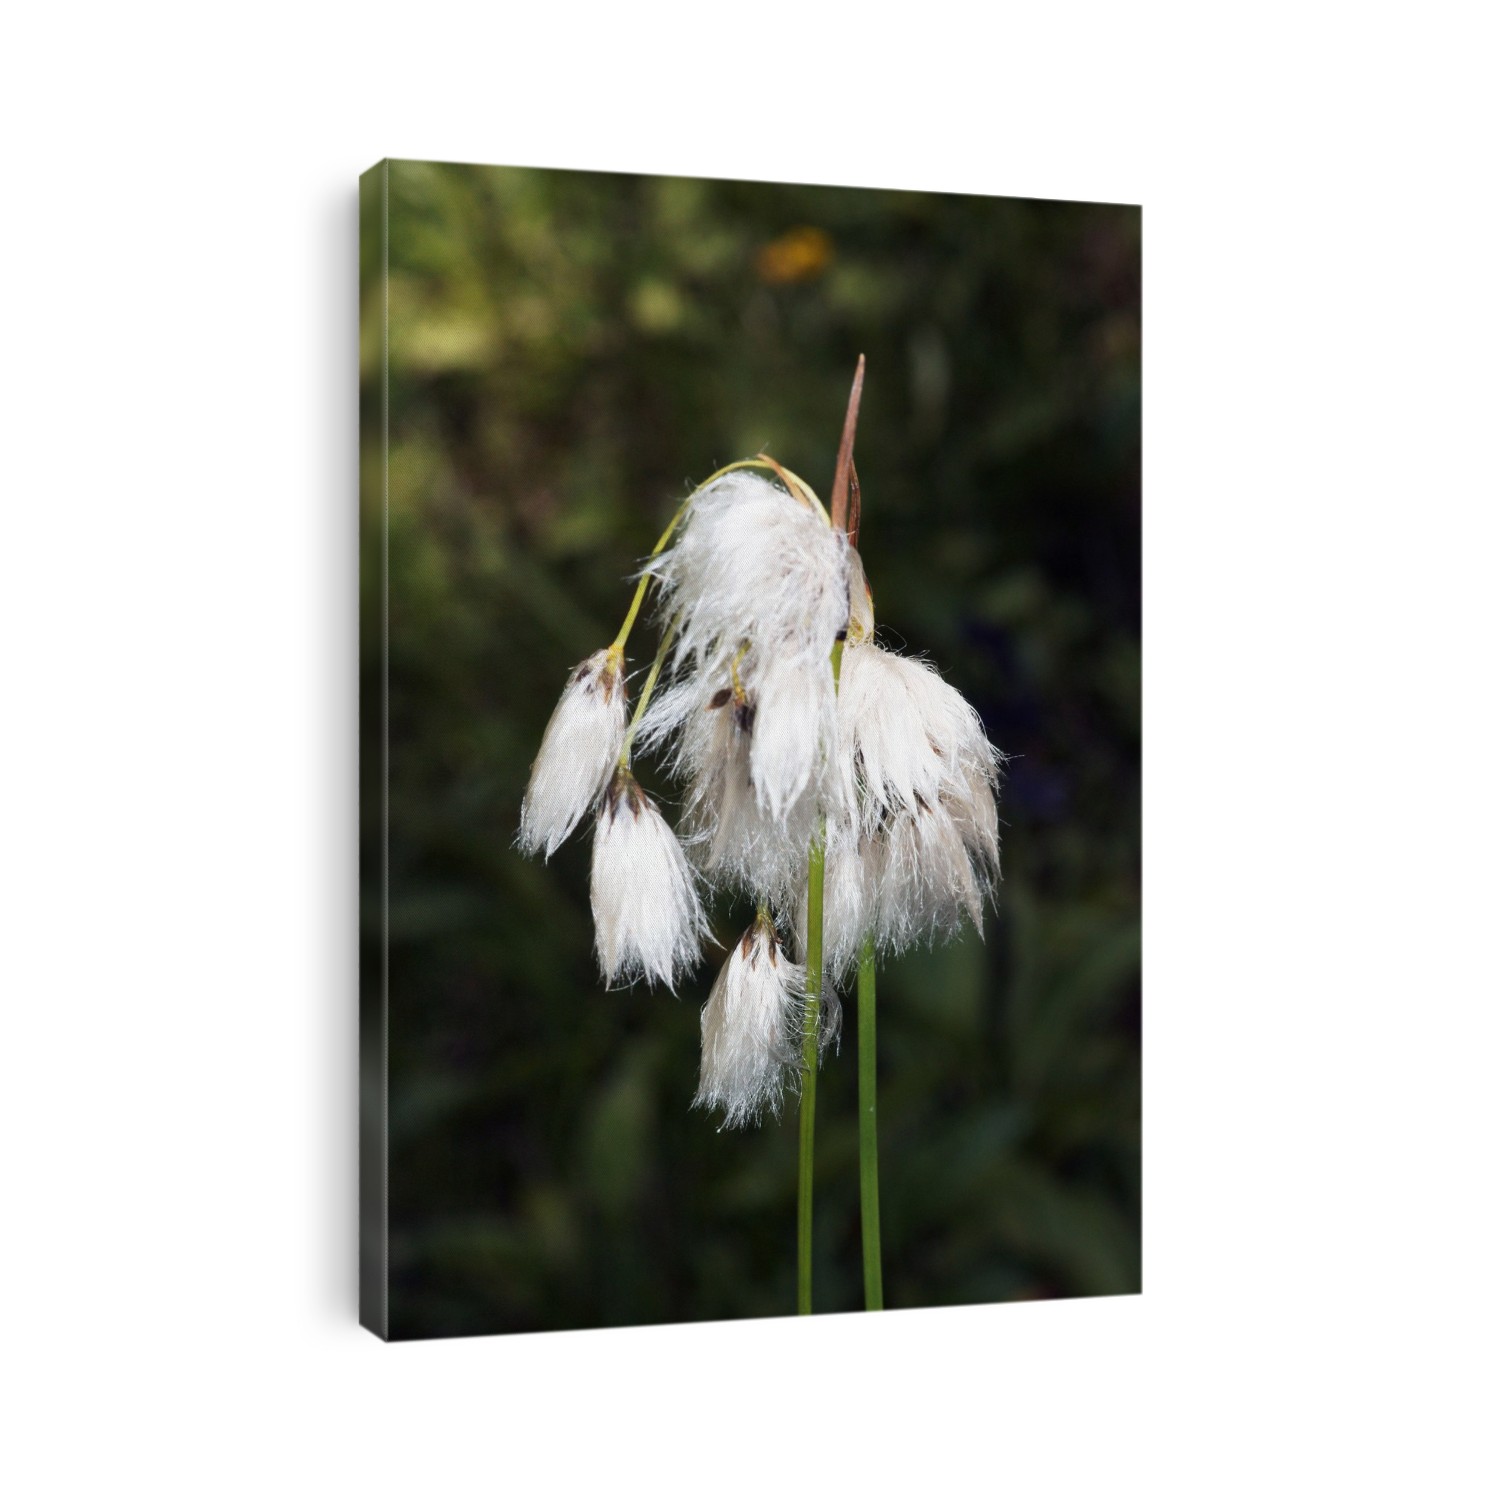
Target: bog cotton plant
[750,1025]
[913,842]
[580,746]
[848,791]
[648,918]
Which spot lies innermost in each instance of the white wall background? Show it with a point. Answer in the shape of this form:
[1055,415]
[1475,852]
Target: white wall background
[176,613]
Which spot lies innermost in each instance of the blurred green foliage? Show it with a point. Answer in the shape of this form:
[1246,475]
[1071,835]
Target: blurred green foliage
[568,353]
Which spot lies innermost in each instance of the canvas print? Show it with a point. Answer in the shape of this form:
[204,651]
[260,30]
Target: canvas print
[750,749]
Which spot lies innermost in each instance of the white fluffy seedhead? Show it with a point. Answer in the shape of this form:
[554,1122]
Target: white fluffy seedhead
[927,881]
[752,562]
[758,588]
[851,892]
[580,747]
[648,919]
[729,835]
[906,738]
[751,1030]
[914,845]
[794,729]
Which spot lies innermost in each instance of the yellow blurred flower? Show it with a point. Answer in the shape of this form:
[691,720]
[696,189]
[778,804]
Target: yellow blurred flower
[798,255]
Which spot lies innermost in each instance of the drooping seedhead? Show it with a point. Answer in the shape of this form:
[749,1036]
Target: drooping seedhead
[648,918]
[887,763]
[913,828]
[751,1026]
[579,749]
[757,589]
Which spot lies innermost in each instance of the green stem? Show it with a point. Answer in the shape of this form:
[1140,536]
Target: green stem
[647,689]
[646,578]
[811,1021]
[869,1145]
[807,1110]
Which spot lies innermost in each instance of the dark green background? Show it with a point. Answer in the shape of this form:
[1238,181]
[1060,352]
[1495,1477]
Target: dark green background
[568,352]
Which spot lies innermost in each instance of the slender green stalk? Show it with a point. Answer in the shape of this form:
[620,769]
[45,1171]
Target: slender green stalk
[811,1023]
[646,691]
[807,1109]
[637,601]
[869,1144]
[646,578]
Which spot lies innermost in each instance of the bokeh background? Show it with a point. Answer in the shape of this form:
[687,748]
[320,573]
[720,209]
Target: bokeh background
[568,353]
